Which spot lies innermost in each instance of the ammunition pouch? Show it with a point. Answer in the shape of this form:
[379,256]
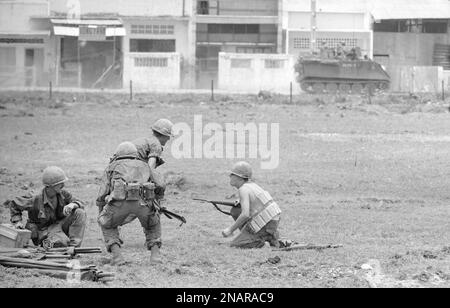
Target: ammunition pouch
[261,219]
[118,190]
[147,191]
[132,191]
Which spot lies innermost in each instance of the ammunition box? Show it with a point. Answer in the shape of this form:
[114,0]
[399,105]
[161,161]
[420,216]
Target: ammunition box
[12,237]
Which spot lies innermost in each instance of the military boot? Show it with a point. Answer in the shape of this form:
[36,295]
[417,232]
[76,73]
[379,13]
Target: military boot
[155,254]
[117,258]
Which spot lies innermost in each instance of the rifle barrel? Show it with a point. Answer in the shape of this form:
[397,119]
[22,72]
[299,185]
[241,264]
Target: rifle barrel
[226,203]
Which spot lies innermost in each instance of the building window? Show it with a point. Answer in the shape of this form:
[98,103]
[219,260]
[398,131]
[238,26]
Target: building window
[202,7]
[392,26]
[254,50]
[304,42]
[333,42]
[434,26]
[150,62]
[241,63]
[270,63]
[236,28]
[301,43]
[152,29]
[144,45]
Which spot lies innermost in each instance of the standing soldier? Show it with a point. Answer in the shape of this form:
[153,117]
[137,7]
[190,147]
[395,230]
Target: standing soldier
[55,218]
[257,217]
[127,190]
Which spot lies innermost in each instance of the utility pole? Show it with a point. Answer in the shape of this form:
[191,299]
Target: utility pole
[313,25]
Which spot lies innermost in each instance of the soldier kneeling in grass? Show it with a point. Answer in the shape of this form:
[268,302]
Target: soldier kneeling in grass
[258,215]
[55,218]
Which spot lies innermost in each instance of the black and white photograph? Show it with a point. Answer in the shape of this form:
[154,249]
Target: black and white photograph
[224,150]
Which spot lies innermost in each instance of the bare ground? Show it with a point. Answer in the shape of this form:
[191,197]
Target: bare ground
[371,176]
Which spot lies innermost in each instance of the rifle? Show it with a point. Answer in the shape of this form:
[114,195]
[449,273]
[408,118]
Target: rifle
[48,253]
[215,203]
[168,213]
[308,246]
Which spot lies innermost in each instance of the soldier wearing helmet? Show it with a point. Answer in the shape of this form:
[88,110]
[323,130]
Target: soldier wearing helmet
[127,189]
[55,218]
[150,149]
[258,215]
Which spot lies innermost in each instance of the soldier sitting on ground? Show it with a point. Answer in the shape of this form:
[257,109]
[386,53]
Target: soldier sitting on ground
[258,215]
[127,189]
[55,218]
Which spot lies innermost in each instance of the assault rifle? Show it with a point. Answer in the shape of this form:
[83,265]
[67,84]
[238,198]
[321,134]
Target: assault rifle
[225,203]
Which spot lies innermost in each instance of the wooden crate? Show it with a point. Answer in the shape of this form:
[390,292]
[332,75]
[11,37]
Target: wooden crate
[14,238]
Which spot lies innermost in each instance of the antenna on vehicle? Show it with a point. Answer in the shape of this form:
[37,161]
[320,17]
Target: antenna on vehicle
[313,25]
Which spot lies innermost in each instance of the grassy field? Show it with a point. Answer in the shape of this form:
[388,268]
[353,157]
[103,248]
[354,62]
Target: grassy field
[374,177]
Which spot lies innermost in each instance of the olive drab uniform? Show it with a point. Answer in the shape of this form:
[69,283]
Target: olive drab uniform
[151,148]
[263,223]
[46,220]
[127,190]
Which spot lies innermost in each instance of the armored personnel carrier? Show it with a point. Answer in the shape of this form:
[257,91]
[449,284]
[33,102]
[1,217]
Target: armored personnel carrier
[349,76]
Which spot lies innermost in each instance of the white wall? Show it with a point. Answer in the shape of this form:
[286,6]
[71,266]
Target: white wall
[257,77]
[152,78]
[15,16]
[416,79]
[328,21]
[126,7]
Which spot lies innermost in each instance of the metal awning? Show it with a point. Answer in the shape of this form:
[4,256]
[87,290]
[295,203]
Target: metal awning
[87,27]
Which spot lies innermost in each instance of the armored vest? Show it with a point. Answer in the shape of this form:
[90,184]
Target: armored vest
[262,208]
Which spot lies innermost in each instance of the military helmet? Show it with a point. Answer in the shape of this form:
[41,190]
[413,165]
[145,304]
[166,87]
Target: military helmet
[126,149]
[164,127]
[53,176]
[242,169]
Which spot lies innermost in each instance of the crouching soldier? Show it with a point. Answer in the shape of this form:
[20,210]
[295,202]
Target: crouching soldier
[150,151]
[127,190]
[55,218]
[258,215]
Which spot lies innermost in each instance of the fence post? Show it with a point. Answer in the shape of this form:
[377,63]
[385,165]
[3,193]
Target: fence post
[443,91]
[212,90]
[290,93]
[131,90]
[50,90]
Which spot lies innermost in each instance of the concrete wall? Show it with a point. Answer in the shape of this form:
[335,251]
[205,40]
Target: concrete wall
[148,78]
[446,81]
[15,15]
[328,21]
[19,33]
[184,44]
[408,48]
[416,79]
[253,76]
[124,7]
